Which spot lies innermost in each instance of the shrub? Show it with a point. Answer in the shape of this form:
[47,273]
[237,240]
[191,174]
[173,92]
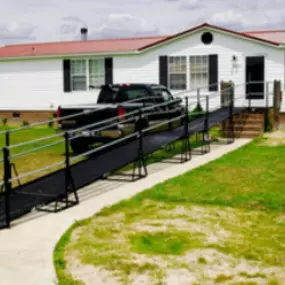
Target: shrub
[25,123]
[196,112]
[51,123]
[4,121]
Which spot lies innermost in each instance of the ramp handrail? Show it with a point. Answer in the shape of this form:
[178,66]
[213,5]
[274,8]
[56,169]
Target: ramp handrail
[68,116]
[109,120]
[114,121]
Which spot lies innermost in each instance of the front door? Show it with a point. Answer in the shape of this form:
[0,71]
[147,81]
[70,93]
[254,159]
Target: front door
[255,77]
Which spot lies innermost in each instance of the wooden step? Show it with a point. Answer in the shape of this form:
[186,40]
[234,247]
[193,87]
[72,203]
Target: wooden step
[249,116]
[242,134]
[248,121]
[245,127]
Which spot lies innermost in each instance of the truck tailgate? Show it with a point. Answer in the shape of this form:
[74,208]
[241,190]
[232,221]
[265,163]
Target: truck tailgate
[88,115]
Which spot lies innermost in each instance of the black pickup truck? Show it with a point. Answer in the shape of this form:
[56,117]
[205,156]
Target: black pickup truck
[116,101]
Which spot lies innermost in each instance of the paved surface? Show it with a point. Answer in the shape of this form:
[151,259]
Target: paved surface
[26,249]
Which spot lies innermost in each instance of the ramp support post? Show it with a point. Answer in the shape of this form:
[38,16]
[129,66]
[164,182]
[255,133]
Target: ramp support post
[198,99]
[186,145]
[140,163]
[231,133]
[69,182]
[69,186]
[7,183]
[206,137]
[266,114]
[276,104]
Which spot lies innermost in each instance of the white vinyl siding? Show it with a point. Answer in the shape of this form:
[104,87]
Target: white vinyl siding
[38,84]
[145,67]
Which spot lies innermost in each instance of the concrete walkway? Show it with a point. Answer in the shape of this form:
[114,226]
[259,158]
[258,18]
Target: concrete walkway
[26,250]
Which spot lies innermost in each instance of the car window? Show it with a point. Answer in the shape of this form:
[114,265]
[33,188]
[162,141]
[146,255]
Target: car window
[164,93]
[106,95]
[131,94]
[136,93]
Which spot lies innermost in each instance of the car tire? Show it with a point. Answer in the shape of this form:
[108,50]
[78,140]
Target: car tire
[79,145]
[141,124]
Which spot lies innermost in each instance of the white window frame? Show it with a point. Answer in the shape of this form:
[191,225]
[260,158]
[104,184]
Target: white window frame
[170,73]
[101,73]
[198,70]
[72,75]
[87,73]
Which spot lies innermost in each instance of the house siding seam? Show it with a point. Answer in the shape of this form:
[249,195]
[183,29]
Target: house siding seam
[38,84]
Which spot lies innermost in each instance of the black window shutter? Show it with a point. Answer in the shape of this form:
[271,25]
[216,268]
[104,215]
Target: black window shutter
[213,72]
[163,70]
[66,76]
[109,70]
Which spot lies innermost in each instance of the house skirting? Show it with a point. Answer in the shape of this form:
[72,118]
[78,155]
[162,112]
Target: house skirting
[33,116]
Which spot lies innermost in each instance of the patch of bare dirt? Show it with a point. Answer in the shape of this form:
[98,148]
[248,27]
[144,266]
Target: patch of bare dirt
[89,274]
[275,139]
[204,265]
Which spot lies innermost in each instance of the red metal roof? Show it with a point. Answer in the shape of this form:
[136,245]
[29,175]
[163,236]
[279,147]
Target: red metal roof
[124,44]
[274,35]
[77,47]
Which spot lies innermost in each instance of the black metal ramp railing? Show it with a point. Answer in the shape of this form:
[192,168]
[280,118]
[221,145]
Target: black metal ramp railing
[61,185]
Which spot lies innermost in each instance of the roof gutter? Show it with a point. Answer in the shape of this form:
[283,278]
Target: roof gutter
[68,56]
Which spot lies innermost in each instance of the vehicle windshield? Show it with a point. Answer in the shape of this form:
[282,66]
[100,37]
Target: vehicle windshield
[166,95]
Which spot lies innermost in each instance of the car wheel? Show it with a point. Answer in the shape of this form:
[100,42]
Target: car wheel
[79,145]
[141,124]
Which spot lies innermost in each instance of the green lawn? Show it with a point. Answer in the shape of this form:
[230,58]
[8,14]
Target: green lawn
[37,159]
[222,223]
[54,154]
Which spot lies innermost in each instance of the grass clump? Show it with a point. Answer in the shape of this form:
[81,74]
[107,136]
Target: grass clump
[25,123]
[202,260]
[274,282]
[4,121]
[173,243]
[223,278]
[51,122]
[63,276]
[252,275]
[245,283]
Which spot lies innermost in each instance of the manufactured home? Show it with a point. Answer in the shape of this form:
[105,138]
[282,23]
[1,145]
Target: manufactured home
[36,78]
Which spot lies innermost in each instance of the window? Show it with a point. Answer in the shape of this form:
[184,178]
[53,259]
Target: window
[96,72]
[87,74]
[199,71]
[177,72]
[78,75]
[164,93]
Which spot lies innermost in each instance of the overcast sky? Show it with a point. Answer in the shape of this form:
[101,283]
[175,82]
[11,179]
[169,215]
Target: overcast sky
[54,20]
